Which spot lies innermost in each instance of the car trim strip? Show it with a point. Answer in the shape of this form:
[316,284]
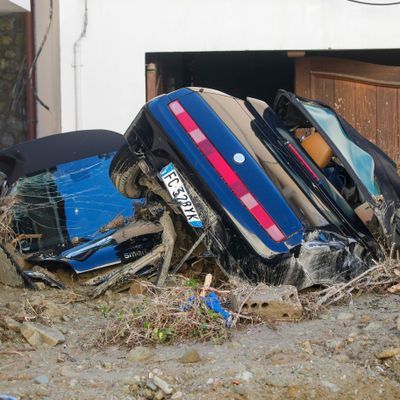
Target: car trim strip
[226,172]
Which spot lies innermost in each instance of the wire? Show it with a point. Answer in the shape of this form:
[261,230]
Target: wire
[366,3]
[32,67]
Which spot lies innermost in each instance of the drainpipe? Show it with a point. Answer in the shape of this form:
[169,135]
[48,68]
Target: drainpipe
[30,82]
[78,71]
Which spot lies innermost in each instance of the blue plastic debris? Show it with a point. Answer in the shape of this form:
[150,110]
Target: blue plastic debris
[213,303]
[188,304]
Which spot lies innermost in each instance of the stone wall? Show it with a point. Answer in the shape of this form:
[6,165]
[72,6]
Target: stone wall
[13,125]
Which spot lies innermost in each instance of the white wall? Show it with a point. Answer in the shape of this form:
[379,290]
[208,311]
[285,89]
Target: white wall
[120,32]
[48,69]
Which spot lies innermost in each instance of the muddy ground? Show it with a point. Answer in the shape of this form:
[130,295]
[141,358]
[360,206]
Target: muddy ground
[333,356]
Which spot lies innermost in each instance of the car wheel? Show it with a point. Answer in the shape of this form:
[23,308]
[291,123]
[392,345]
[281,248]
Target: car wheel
[125,173]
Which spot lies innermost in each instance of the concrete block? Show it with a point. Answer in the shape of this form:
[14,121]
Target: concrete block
[270,302]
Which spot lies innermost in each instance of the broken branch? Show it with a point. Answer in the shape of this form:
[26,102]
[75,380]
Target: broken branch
[129,270]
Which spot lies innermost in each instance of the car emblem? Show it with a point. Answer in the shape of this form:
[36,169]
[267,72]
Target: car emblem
[239,158]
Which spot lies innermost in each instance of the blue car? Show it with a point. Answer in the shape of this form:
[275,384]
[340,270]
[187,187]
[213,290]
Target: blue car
[285,194]
[66,210]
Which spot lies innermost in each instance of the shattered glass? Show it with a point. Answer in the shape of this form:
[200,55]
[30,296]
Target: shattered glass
[68,203]
[361,162]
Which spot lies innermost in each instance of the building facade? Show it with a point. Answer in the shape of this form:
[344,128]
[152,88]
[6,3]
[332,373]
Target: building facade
[102,58]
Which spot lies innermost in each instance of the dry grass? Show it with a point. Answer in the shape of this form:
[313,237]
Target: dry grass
[382,277]
[7,203]
[158,316]
[163,315]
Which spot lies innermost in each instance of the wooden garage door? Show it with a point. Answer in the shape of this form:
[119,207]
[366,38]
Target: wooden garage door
[366,95]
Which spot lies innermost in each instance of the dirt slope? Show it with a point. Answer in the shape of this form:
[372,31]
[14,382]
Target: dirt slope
[332,357]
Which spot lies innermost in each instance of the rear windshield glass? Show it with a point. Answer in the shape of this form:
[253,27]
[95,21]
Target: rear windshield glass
[360,161]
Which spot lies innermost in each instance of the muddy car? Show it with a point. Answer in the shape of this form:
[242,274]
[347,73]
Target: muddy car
[65,210]
[284,194]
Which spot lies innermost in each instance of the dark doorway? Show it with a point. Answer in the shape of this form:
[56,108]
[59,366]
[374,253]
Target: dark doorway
[256,74]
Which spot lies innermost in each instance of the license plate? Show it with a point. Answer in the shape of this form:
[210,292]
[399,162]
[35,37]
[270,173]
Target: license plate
[178,192]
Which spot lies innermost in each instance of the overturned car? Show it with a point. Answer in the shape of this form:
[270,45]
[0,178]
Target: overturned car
[290,194]
[65,210]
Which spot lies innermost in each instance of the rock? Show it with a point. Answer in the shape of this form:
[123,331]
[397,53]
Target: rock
[191,356]
[157,371]
[8,270]
[12,325]
[137,288]
[164,386]
[210,381]
[242,391]
[342,358]
[160,395]
[330,386]
[245,376]
[148,394]
[38,334]
[334,344]
[68,371]
[42,380]
[177,395]
[373,326]
[388,353]
[353,336]
[73,382]
[151,385]
[345,316]
[133,388]
[306,347]
[106,365]
[270,302]
[139,353]
[355,350]
[279,380]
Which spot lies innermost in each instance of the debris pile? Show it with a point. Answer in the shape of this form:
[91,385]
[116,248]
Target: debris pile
[111,223]
[382,277]
[170,314]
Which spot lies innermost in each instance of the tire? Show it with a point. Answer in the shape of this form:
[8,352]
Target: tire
[125,172]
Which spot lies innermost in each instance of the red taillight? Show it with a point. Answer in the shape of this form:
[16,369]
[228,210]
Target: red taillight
[226,172]
[303,162]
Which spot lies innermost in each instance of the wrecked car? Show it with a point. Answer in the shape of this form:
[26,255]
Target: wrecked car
[67,212]
[289,194]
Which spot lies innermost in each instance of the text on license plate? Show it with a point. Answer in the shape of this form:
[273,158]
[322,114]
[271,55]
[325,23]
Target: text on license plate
[178,192]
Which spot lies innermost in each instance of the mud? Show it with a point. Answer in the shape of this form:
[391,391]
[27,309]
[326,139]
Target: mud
[331,357]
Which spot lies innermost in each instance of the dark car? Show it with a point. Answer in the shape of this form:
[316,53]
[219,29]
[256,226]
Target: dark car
[66,209]
[289,194]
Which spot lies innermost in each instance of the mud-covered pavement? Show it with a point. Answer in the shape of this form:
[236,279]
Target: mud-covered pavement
[333,356]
